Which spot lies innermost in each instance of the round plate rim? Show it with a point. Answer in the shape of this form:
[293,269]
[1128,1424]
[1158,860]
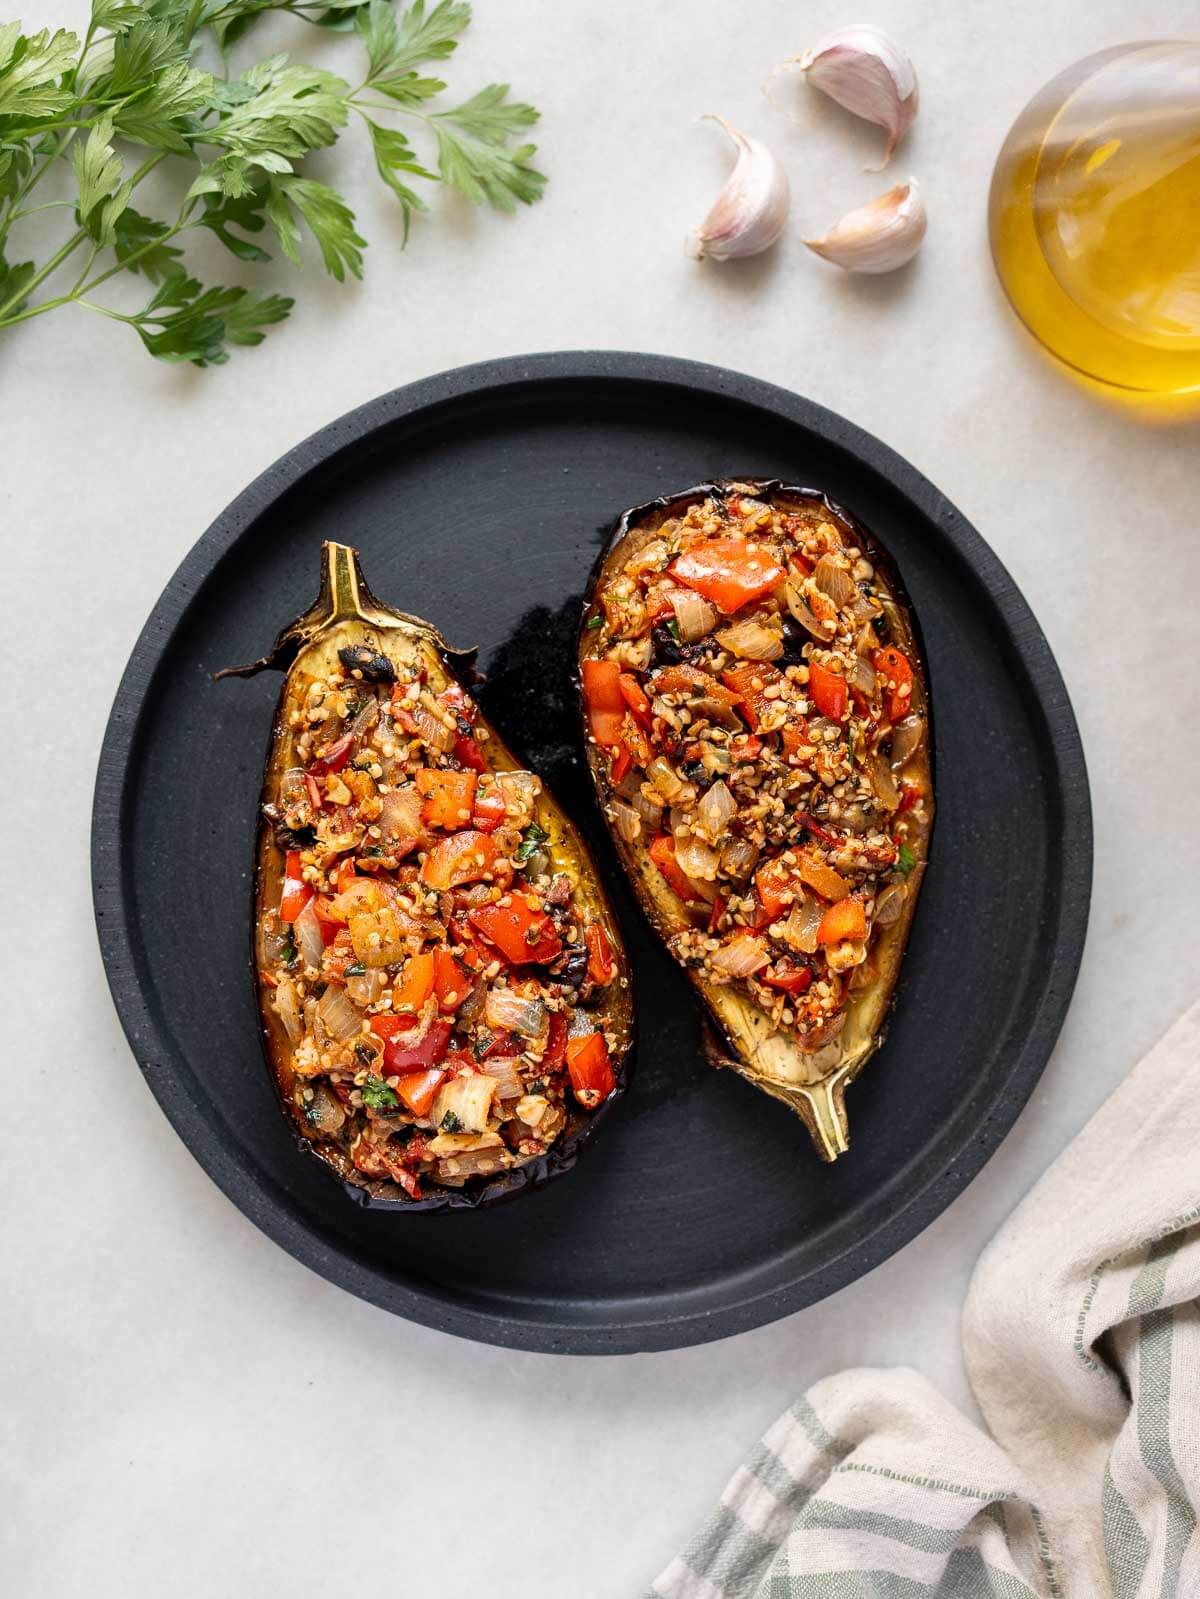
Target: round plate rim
[248,1187]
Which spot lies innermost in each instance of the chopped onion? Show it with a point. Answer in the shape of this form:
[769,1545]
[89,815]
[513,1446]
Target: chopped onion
[741,956]
[503,1068]
[739,857]
[752,641]
[287,1007]
[649,812]
[341,1019]
[469,1099]
[482,1162]
[695,616]
[883,782]
[628,822]
[890,904]
[472,1007]
[309,940]
[324,1111]
[805,615]
[293,790]
[432,730]
[715,812]
[506,1011]
[519,788]
[665,780]
[366,718]
[695,858]
[400,817]
[834,580]
[800,929]
[366,987]
[863,675]
[907,738]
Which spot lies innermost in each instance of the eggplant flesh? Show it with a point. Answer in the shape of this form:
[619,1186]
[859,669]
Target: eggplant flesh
[350,634]
[771,544]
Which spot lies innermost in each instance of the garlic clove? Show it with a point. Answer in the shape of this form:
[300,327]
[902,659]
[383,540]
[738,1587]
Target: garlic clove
[749,213]
[879,236]
[867,72]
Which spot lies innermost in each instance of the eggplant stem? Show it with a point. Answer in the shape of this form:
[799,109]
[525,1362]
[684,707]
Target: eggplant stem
[823,1108]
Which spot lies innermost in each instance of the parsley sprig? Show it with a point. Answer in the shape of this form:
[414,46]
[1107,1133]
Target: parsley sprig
[112,107]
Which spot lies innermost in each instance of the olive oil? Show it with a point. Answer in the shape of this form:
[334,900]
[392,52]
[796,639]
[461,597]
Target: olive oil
[1094,217]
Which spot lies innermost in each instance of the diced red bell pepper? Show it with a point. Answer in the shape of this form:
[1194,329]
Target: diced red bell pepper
[335,757]
[344,876]
[455,698]
[400,1056]
[468,753]
[461,858]
[746,747]
[519,933]
[750,680]
[910,796]
[772,881]
[450,981]
[715,915]
[328,916]
[555,1053]
[475,955]
[638,745]
[490,809]
[811,825]
[590,1069]
[502,1043]
[621,764]
[844,920]
[604,700]
[315,798]
[417,1089]
[416,985]
[896,671]
[791,979]
[296,892]
[409,1181]
[635,697]
[449,797]
[814,873]
[828,692]
[386,1026]
[728,572]
[339,953]
[662,853]
[602,964]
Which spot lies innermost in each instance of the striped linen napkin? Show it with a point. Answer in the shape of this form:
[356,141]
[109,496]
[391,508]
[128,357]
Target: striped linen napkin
[1081,1335]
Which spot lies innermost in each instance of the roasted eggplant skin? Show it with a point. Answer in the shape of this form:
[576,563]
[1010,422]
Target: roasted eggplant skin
[348,623]
[737,1032]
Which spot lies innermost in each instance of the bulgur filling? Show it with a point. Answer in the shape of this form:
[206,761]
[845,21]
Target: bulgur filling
[760,727]
[432,972]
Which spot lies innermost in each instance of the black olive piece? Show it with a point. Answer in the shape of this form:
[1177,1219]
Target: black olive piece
[375,668]
[794,640]
[574,968]
[295,837]
[665,646]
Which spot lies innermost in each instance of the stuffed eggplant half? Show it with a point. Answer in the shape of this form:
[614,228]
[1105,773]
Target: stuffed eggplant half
[445,996]
[757,726]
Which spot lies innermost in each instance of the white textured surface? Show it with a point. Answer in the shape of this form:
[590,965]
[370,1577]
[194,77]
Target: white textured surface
[181,1405]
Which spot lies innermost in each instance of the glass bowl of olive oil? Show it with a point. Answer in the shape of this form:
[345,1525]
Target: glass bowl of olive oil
[1094,217]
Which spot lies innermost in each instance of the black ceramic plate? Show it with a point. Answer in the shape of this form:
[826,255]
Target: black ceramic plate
[478,500]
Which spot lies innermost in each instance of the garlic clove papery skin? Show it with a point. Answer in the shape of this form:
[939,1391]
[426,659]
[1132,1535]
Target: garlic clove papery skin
[866,72]
[880,236]
[751,210]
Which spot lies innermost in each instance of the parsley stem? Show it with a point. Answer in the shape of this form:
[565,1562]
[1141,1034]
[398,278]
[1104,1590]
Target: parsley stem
[55,261]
